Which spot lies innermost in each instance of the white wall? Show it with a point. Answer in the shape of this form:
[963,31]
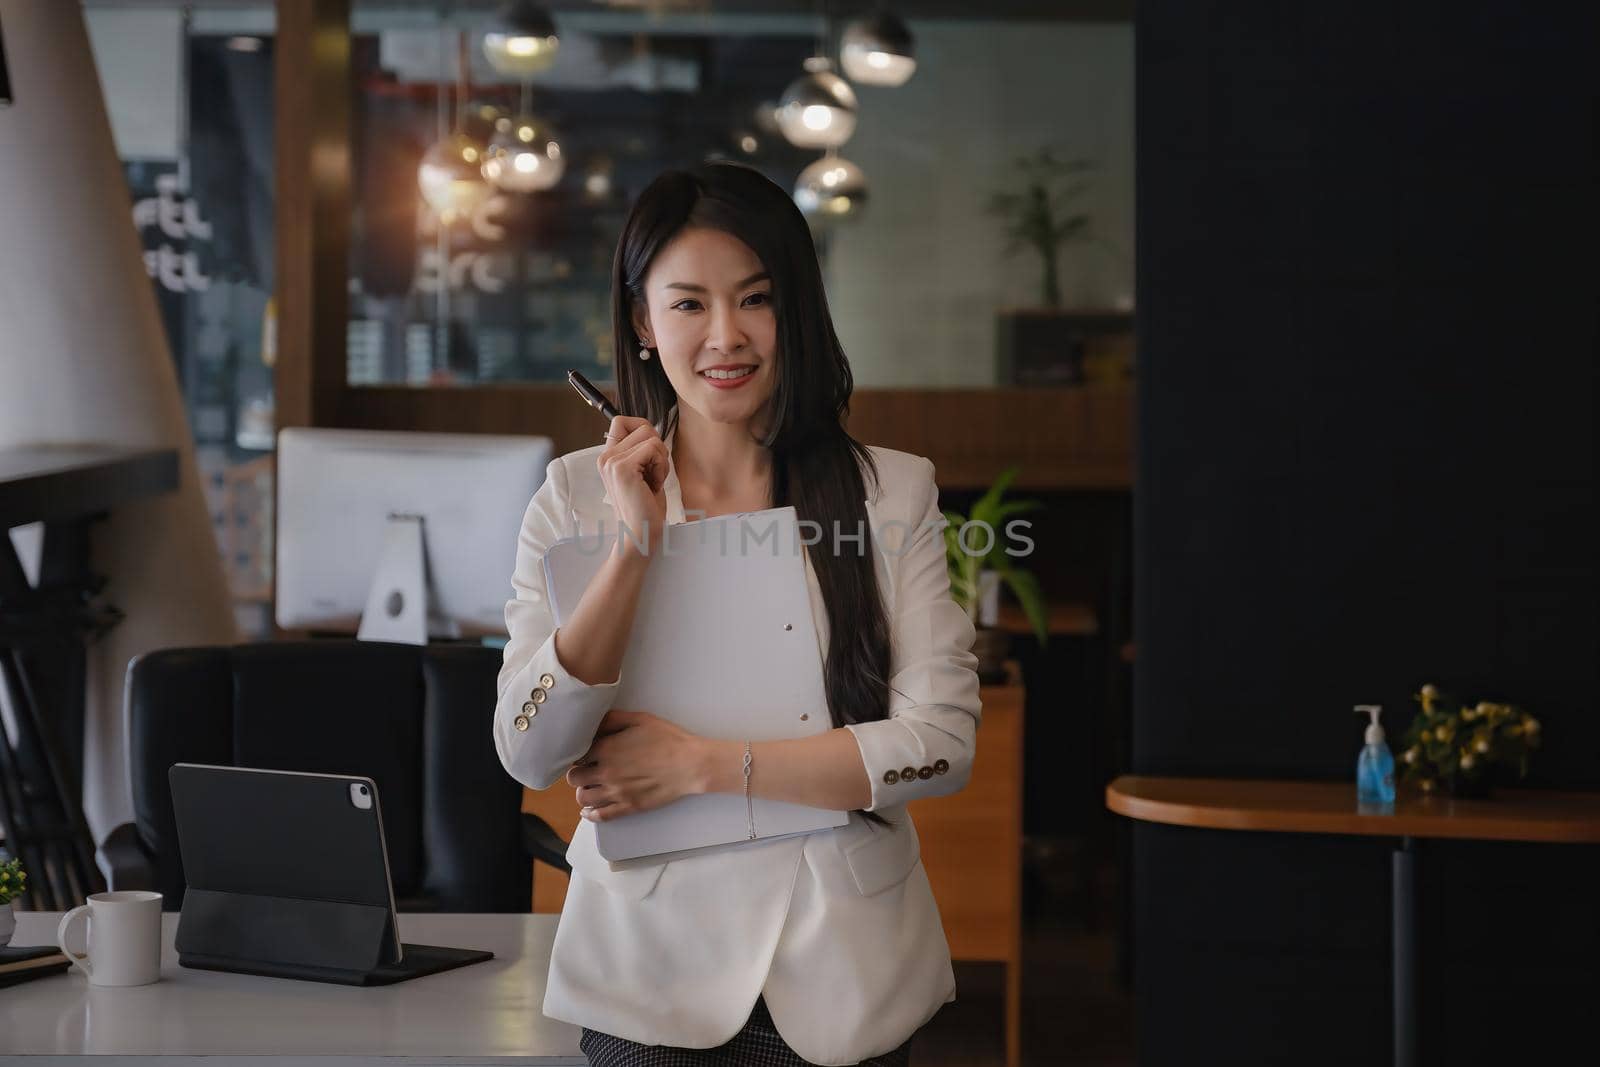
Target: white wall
[915,283]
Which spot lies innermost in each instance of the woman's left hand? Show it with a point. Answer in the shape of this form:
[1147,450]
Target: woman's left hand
[638,761]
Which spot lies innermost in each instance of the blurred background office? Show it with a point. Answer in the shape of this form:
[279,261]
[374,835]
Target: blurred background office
[1362,408]
[378,216]
[928,286]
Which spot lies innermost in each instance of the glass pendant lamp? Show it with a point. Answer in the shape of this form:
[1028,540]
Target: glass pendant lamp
[524,156]
[451,176]
[877,51]
[522,41]
[830,190]
[818,109]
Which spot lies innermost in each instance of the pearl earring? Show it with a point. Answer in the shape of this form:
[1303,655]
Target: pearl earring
[644,353]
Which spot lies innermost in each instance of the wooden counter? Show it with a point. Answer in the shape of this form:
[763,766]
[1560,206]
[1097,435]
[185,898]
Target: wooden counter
[1330,808]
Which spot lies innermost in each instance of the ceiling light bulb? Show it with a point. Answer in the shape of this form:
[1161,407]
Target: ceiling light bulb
[450,177]
[522,41]
[525,157]
[818,109]
[831,188]
[877,51]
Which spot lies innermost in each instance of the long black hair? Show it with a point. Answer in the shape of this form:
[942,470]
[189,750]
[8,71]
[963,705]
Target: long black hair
[816,466]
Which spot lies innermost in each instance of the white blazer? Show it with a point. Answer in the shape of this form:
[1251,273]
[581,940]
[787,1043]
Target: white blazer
[838,928]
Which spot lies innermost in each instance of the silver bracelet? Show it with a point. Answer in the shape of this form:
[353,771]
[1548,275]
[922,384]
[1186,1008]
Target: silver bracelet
[749,805]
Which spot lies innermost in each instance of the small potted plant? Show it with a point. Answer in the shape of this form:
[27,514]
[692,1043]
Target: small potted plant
[13,883]
[1461,748]
[975,550]
[1044,343]
[1037,216]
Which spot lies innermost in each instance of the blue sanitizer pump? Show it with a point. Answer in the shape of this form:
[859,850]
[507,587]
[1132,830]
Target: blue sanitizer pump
[1375,766]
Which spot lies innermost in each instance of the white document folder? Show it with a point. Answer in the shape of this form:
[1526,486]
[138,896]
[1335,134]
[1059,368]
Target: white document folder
[722,644]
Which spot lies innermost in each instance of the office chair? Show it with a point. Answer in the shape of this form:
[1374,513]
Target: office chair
[416,720]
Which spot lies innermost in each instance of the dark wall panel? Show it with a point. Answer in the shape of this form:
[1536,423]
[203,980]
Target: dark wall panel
[1367,344]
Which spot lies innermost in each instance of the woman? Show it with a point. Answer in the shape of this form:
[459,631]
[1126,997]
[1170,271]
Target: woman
[825,948]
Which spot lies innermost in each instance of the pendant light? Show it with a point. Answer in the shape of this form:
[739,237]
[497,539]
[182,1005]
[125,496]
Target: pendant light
[818,109]
[831,189]
[877,51]
[522,41]
[524,156]
[450,176]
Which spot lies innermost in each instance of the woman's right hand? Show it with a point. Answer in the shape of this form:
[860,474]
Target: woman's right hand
[634,467]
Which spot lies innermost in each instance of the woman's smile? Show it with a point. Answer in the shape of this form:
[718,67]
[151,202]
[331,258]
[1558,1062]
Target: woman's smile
[728,375]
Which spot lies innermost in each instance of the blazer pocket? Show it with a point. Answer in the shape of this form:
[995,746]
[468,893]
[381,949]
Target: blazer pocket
[884,858]
[634,883]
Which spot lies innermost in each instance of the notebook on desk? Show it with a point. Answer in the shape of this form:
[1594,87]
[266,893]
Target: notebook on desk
[23,964]
[723,645]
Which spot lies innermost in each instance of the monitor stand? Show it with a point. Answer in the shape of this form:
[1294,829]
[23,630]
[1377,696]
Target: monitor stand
[399,607]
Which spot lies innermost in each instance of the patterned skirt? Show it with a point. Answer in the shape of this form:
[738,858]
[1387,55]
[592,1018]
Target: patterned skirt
[757,1045]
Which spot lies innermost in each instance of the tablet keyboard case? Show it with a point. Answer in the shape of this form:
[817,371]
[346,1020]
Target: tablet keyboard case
[288,879]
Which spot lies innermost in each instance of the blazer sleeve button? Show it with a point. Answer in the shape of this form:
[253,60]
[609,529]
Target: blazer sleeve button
[891,776]
[908,774]
[925,773]
[548,681]
[537,696]
[521,723]
[530,709]
[940,766]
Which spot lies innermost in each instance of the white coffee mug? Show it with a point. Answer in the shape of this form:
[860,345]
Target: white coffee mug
[124,939]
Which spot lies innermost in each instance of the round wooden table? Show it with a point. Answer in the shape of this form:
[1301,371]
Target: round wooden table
[1331,808]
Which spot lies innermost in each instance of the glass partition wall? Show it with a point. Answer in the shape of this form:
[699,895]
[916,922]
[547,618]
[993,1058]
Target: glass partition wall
[489,199]
[973,218]
[189,91]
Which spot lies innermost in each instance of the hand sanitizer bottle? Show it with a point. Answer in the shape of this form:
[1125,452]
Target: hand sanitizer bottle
[1375,767]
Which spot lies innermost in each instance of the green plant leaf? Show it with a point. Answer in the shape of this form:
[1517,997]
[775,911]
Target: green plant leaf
[1017,507]
[992,495]
[1070,228]
[1026,589]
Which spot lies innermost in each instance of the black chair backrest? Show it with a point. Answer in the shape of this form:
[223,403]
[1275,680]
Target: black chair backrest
[417,721]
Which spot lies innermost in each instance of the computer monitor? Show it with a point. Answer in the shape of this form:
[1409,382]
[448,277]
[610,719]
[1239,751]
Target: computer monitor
[401,535]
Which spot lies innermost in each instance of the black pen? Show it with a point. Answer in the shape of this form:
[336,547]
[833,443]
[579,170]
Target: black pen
[592,396]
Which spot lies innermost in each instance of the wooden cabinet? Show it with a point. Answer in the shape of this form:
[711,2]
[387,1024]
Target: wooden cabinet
[972,850]
[558,807]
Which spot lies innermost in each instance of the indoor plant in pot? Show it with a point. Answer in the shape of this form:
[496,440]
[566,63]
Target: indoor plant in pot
[1042,343]
[13,883]
[975,546]
[1039,215]
[1463,749]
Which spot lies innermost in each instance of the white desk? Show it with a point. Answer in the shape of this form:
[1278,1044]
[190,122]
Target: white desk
[485,1013]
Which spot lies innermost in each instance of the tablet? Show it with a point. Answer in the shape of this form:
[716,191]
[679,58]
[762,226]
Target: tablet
[288,875]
